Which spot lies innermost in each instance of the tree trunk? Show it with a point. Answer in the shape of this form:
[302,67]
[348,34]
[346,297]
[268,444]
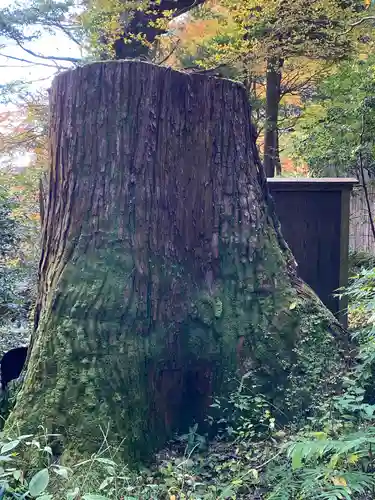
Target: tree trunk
[163,271]
[277,156]
[273,95]
[140,26]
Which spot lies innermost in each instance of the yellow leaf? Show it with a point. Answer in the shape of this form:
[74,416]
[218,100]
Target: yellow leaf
[353,458]
[13,262]
[172,497]
[320,435]
[339,481]
[293,305]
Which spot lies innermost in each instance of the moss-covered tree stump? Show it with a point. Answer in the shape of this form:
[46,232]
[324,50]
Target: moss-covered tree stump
[163,272]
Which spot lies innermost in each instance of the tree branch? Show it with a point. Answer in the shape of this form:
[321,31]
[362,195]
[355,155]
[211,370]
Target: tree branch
[67,32]
[49,58]
[357,23]
[46,65]
[290,87]
[171,52]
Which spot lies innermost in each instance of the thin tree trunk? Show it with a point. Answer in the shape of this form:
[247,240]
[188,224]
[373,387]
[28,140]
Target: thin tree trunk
[362,172]
[277,155]
[273,95]
[43,196]
[163,271]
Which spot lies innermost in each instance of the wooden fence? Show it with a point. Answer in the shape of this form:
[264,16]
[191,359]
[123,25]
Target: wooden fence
[360,233]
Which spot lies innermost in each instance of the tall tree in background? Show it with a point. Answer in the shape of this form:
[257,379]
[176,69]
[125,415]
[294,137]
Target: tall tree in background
[163,271]
[286,30]
[263,39]
[330,135]
[275,31]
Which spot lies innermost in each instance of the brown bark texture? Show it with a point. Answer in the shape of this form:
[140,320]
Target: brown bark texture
[163,276]
[43,193]
[272,162]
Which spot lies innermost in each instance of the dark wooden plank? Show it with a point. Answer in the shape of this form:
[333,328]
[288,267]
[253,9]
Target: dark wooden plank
[311,184]
[314,216]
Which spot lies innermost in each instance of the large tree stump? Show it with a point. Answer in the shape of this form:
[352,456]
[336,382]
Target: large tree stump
[163,272]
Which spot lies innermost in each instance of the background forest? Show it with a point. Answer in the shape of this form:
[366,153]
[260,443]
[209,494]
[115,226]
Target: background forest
[308,68]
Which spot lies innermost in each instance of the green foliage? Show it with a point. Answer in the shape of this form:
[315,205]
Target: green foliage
[13,274]
[41,480]
[359,260]
[13,92]
[13,482]
[332,457]
[193,440]
[339,122]
[103,16]
[19,211]
[26,21]
[8,226]
[245,415]
[361,292]
[8,239]
[28,467]
[320,466]
[17,16]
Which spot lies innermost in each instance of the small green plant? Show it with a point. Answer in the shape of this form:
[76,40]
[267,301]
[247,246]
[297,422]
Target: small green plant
[13,480]
[194,441]
[244,415]
[50,480]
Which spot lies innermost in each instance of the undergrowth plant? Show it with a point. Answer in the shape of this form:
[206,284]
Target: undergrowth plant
[244,415]
[40,476]
[332,457]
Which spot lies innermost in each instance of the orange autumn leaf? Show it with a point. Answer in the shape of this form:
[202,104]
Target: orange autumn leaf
[34,216]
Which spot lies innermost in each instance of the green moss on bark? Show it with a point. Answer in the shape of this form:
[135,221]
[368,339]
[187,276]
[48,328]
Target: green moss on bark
[97,359]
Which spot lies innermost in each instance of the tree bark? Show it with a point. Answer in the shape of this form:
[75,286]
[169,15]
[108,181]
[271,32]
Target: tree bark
[163,271]
[43,195]
[273,95]
[278,169]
